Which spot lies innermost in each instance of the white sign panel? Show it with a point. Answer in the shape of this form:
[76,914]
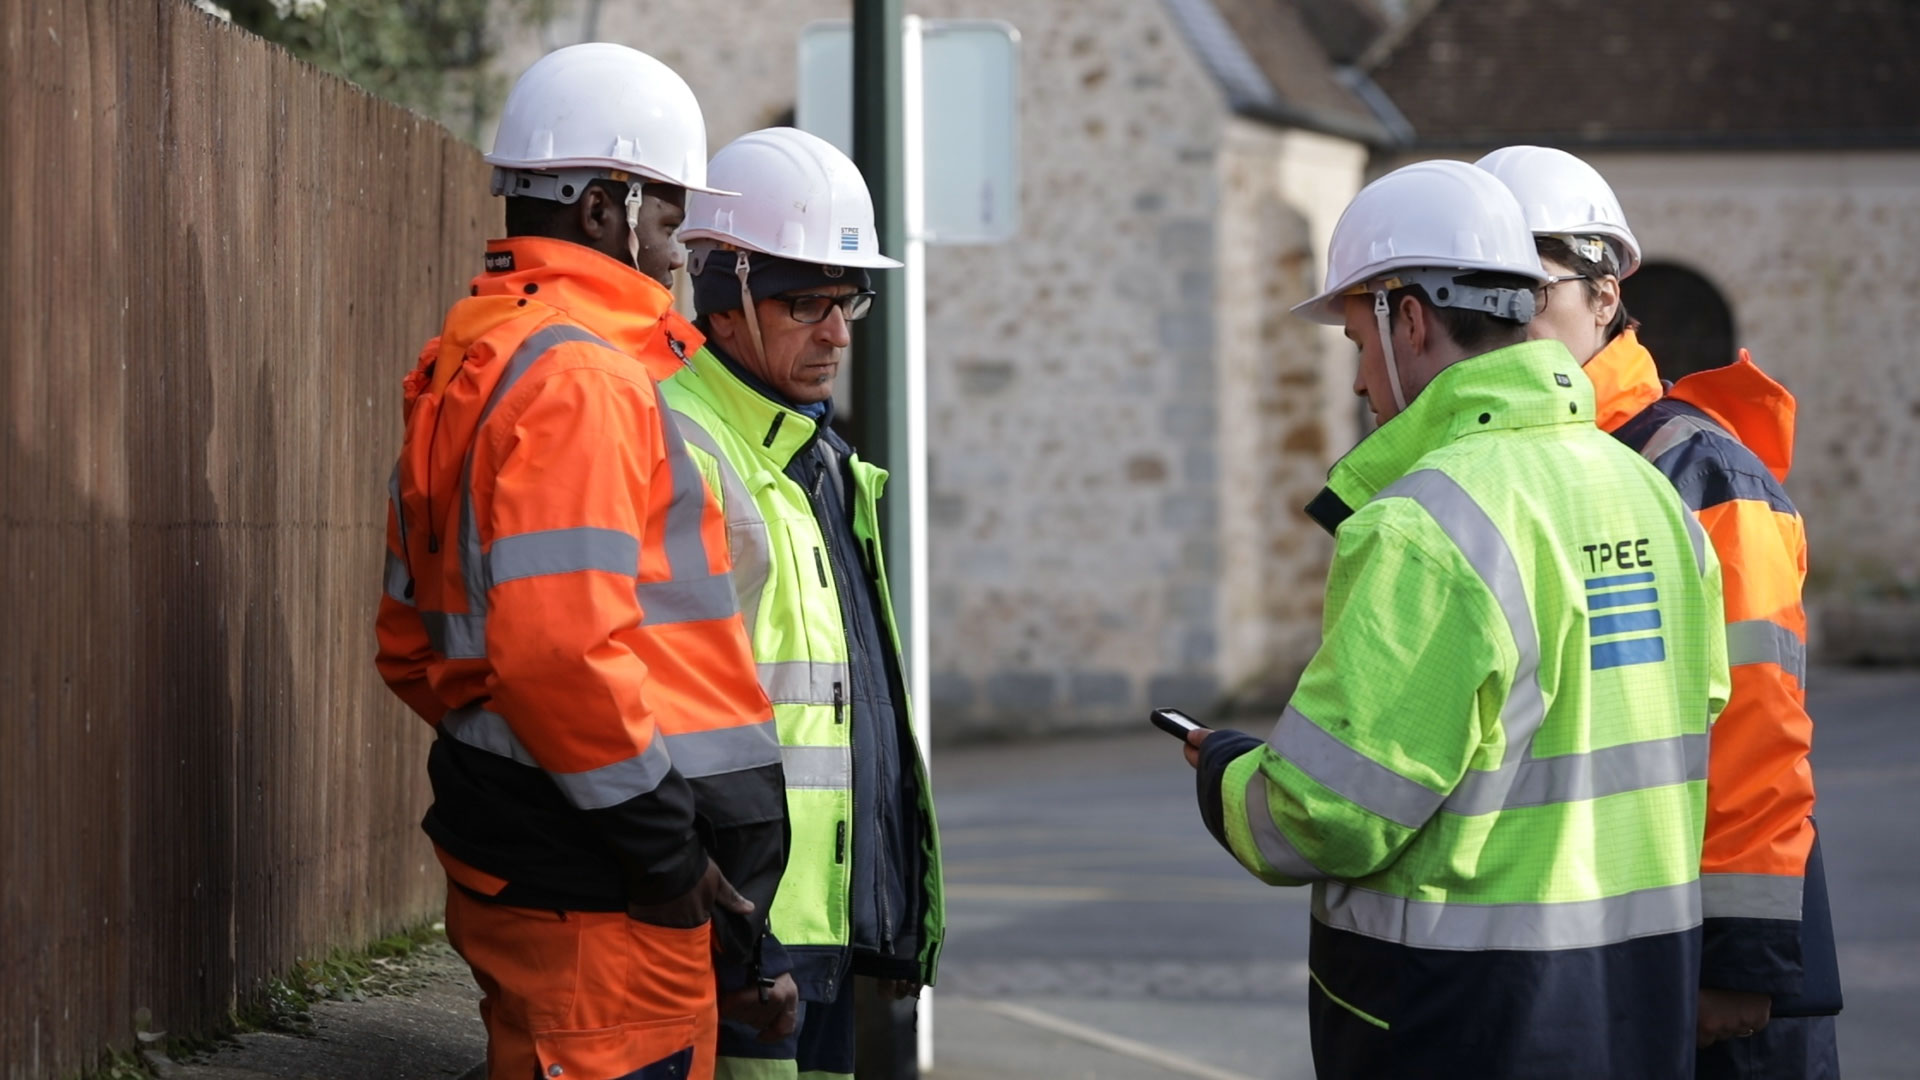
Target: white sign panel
[971,70]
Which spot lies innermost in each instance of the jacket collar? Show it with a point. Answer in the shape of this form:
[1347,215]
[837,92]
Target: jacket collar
[1533,384]
[631,311]
[1624,379]
[775,430]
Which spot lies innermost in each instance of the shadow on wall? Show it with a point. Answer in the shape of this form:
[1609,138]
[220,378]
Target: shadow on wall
[1684,320]
[181,852]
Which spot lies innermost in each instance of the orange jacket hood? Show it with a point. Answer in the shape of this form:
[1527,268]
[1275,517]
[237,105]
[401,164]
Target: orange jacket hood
[1749,403]
[1741,398]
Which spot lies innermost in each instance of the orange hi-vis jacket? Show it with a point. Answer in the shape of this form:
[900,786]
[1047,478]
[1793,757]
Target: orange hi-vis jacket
[558,602]
[1725,439]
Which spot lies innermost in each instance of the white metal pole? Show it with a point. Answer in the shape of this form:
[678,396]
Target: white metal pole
[914,160]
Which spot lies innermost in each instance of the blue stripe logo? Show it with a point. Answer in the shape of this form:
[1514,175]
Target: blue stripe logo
[1636,594]
[850,238]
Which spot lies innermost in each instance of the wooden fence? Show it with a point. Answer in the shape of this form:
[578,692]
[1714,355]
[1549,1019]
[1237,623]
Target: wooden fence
[216,264]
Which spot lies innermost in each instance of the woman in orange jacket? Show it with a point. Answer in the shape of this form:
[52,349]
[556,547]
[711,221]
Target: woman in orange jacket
[1769,984]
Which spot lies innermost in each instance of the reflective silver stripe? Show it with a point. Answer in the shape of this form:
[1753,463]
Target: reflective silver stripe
[1672,434]
[1762,641]
[691,593]
[663,602]
[818,767]
[746,528]
[537,344]
[399,582]
[1751,896]
[562,551]
[456,637]
[1575,924]
[686,551]
[400,525]
[724,750]
[1611,770]
[1699,537]
[611,785]
[1272,843]
[593,789]
[802,682]
[487,731]
[1351,774]
[1479,540]
[1669,435]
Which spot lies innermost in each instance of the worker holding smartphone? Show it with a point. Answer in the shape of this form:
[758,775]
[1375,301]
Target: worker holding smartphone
[1493,772]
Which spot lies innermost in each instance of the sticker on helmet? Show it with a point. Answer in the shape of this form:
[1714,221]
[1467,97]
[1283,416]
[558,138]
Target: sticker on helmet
[850,238]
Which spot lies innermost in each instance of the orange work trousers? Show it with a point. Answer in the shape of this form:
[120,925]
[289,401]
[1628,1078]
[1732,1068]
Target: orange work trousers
[587,995]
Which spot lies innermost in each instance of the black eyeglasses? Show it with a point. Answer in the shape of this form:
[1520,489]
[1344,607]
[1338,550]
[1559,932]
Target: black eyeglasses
[812,308]
[1546,287]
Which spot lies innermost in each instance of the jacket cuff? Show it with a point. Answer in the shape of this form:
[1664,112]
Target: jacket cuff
[1758,956]
[1220,750]
[730,974]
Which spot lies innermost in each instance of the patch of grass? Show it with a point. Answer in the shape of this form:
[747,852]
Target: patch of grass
[120,1065]
[384,968]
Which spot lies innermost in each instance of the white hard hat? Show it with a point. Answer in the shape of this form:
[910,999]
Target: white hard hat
[800,199]
[585,110]
[1567,198]
[1431,215]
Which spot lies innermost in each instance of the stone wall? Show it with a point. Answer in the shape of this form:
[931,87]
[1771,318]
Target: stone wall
[1814,253]
[1285,398]
[1124,419]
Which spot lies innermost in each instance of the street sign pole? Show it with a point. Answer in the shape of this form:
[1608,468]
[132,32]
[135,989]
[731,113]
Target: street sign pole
[890,408]
[930,115]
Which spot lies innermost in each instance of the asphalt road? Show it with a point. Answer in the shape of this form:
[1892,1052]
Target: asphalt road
[1098,932]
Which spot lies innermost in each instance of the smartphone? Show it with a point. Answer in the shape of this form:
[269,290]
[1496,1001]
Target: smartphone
[1176,723]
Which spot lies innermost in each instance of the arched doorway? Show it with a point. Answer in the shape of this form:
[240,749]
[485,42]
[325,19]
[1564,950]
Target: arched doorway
[1684,321]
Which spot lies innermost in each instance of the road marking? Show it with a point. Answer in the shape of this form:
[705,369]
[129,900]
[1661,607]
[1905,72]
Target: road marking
[1166,890]
[1054,894]
[1125,1047]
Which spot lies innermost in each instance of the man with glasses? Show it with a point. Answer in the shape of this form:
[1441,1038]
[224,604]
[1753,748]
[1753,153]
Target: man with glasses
[779,274]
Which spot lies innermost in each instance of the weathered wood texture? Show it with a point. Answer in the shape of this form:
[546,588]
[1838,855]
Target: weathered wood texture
[216,264]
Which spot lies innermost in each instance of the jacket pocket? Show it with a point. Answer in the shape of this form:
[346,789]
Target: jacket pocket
[648,1050]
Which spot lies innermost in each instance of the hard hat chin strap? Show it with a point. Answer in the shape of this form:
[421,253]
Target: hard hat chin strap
[1386,343]
[635,196]
[741,265]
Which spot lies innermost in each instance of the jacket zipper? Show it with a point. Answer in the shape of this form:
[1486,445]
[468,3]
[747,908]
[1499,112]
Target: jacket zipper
[821,509]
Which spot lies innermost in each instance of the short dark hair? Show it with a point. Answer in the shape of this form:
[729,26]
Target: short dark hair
[1552,247]
[1474,331]
[528,216]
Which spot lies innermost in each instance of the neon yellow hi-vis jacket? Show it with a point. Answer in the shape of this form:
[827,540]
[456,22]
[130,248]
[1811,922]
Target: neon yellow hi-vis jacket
[794,583]
[1493,770]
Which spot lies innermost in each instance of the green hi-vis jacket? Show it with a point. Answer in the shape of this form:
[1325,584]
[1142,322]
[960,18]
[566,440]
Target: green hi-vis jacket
[1493,771]
[789,578]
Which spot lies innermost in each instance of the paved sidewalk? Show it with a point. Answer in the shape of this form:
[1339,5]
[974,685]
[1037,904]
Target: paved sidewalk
[432,1032]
